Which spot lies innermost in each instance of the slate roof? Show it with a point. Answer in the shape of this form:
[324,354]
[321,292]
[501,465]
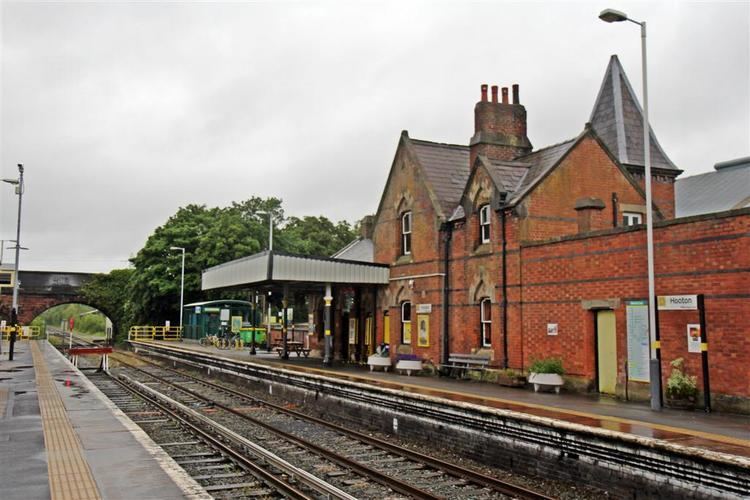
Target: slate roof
[726,188]
[617,118]
[361,250]
[446,167]
[541,162]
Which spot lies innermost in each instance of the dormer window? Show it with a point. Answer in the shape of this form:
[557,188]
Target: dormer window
[484,224]
[406,233]
[631,219]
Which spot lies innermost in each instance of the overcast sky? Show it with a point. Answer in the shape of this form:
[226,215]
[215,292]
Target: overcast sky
[123,112]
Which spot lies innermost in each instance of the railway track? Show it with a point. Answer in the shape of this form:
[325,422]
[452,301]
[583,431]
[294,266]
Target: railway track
[224,464]
[354,461]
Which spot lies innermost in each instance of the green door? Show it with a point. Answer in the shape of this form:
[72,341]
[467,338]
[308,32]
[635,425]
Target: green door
[607,351]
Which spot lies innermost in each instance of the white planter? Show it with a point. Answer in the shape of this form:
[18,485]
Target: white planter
[378,360]
[546,379]
[409,365]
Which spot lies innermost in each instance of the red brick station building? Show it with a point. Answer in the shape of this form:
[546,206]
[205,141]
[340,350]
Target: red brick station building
[524,253]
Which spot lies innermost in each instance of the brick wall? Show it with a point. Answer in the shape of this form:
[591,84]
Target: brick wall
[704,254]
[586,172]
[414,277]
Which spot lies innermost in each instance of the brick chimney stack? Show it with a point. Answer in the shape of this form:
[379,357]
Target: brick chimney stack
[499,127]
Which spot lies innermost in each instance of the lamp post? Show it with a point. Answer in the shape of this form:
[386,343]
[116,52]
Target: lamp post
[270,227]
[615,16]
[182,282]
[19,191]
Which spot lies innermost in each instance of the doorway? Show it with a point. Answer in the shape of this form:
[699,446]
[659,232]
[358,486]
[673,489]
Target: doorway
[606,352]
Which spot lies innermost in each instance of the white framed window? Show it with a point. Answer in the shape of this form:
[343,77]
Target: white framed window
[406,233]
[631,218]
[406,322]
[485,308]
[484,224]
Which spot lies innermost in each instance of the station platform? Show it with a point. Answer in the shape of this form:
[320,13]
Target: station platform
[61,438]
[715,432]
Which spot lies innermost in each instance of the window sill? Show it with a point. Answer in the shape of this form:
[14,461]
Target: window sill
[483,249]
[404,259]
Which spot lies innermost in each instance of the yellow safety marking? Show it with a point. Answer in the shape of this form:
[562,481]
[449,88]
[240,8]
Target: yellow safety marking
[704,346]
[3,401]
[462,396]
[70,477]
[328,333]
[656,344]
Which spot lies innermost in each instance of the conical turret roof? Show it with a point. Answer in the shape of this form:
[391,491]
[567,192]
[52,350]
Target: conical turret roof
[617,118]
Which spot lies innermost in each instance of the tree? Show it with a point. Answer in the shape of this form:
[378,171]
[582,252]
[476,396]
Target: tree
[315,236]
[109,293]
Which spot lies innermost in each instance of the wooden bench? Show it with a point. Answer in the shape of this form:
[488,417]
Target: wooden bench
[459,364]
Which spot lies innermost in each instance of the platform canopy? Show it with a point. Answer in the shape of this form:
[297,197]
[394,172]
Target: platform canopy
[268,268]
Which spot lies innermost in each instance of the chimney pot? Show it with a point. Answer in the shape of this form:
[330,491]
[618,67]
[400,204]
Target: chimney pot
[515,94]
[494,94]
[484,92]
[505,95]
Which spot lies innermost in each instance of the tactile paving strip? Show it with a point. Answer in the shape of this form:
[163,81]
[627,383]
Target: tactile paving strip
[70,477]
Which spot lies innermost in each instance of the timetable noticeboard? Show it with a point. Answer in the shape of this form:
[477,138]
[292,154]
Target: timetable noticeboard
[638,349]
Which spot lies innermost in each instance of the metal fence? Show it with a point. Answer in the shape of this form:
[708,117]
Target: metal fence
[148,332]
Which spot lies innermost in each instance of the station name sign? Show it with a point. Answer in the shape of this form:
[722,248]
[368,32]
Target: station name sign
[677,302]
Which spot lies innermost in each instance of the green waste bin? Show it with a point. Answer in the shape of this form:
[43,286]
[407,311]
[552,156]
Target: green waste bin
[246,334]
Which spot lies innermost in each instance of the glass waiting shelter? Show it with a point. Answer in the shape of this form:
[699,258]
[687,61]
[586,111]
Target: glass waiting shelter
[205,318]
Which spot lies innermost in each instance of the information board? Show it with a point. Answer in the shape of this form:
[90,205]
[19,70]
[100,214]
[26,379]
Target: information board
[638,350]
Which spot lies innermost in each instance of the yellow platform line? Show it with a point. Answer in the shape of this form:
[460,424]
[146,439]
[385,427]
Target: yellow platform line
[70,477]
[3,401]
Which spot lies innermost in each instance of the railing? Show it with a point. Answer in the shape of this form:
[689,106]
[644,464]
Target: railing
[147,332]
[26,333]
[168,332]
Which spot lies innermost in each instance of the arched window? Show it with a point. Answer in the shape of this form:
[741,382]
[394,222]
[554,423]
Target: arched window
[484,224]
[406,322]
[406,233]
[485,307]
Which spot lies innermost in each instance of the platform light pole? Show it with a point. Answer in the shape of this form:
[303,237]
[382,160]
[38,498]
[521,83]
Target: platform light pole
[270,227]
[182,283]
[19,191]
[615,16]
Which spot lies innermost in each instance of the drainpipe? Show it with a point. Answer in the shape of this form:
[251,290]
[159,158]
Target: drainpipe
[446,227]
[505,289]
[614,209]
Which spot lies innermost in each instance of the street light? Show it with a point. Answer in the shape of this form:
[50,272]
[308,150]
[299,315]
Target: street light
[270,227]
[19,191]
[615,16]
[182,282]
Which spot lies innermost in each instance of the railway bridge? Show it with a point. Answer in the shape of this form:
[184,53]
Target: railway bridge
[42,290]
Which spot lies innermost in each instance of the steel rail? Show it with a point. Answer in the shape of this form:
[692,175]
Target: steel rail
[475,477]
[174,408]
[381,478]
[679,466]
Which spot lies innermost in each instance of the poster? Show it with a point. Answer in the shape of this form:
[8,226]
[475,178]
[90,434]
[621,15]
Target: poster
[352,330]
[236,324]
[638,349]
[406,332]
[694,338]
[551,328]
[423,330]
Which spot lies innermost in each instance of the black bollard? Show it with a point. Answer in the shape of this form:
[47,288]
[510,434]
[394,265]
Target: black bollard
[14,329]
[12,344]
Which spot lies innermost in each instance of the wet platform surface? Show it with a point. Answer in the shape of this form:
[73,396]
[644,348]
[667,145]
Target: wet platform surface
[60,438]
[717,432]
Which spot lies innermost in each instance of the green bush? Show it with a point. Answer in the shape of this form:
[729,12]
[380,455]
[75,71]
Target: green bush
[680,385]
[547,365]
